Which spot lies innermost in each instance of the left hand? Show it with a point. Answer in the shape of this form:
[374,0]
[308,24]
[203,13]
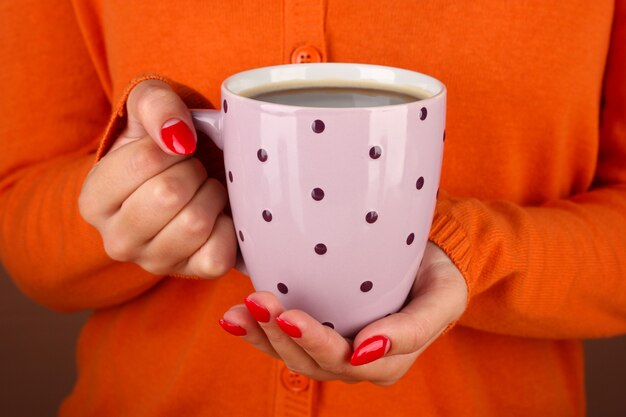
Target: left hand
[384,350]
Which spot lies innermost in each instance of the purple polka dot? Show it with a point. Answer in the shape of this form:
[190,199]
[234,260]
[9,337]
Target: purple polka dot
[328,324]
[366,286]
[419,183]
[444,135]
[230,176]
[318,126]
[437,195]
[320,249]
[317,194]
[282,288]
[241,235]
[267,215]
[410,238]
[225,106]
[423,113]
[262,155]
[375,152]
[371,217]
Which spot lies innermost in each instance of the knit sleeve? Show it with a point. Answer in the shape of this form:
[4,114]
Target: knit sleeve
[55,109]
[557,270]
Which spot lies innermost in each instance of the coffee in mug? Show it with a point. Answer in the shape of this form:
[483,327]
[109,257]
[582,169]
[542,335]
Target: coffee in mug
[323,95]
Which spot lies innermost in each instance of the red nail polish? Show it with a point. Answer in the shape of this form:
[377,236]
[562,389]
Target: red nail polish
[291,329]
[178,137]
[259,312]
[232,328]
[370,350]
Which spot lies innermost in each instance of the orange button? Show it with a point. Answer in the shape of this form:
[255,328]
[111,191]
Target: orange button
[294,382]
[305,54]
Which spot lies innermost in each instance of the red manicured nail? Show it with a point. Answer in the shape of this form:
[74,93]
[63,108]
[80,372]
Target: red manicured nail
[233,328]
[259,312]
[178,137]
[291,329]
[371,349]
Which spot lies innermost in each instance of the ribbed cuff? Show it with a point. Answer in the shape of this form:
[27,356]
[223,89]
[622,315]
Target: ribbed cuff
[118,117]
[449,234]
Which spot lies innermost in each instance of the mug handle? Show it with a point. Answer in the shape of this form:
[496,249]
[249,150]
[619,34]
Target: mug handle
[210,122]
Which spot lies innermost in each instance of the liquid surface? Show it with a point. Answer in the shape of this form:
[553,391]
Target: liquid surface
[335,97]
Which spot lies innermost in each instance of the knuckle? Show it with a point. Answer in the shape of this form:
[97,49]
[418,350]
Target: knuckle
[197,167]
[217,192]
[154,266]
[153,94]
[87,206]
[194,222]
[169,192]
[145,160]
[211,266]
[276,338]
[256,337]
[321,344]
[333,368]
[460,295]
[91,201]
[299,369]
[118,248]
[421,335]
[419,332]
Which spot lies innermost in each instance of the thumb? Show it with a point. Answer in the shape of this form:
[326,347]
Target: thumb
[154,109]
[438,298]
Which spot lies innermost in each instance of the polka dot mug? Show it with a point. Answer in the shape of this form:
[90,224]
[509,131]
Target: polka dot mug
[332,206]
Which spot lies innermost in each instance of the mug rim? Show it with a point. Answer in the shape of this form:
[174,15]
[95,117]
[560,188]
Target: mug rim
[380,74]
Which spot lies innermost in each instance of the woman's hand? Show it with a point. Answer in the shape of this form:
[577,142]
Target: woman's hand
[151,201]
[384,350]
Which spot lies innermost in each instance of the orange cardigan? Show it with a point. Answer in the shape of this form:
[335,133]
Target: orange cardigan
[532,208]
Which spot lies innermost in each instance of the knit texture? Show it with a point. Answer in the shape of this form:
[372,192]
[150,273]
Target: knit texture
[532,207]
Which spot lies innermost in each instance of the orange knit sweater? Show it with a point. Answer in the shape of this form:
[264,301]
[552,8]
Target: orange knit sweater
[532,209]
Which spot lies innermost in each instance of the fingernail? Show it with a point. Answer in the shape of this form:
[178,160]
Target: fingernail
[370,350]
[178,137]
[259,312]
[232,328]
[291,329]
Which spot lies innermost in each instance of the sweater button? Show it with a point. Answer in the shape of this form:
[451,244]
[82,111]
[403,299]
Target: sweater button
[294,382]
[305,54]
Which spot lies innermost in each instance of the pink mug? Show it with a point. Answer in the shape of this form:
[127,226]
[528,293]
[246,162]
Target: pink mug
[332,206]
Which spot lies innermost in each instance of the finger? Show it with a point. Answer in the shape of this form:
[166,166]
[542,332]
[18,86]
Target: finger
[118,175]
[289,332]
[332,354]
[156,110]
[187,231]
[152,206]
[218,254]
[239,322]
[265,307]
[330,351]
[437,299]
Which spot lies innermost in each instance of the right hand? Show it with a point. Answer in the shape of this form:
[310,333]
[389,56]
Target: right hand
[153,204]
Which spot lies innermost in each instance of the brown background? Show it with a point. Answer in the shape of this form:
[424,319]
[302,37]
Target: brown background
[37,365]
